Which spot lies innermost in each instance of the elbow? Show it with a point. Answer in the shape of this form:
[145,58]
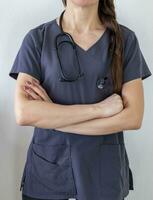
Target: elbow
[20,116]
[20,121]
[133,119]
[136,123]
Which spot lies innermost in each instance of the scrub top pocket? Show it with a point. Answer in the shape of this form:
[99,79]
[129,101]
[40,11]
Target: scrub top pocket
[51,167]
[114,173]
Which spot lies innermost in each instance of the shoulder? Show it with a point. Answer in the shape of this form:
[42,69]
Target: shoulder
[37,33]
[126,30]
[129,35]
[41,28]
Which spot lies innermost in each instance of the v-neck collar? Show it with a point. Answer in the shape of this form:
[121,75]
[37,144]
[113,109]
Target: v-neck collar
[93,47]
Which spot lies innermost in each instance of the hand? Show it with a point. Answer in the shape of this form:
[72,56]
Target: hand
[111,105]
[35,91]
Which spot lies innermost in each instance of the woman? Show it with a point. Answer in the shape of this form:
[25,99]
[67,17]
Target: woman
[80,99]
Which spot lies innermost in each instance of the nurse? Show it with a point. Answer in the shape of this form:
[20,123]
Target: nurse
[79,84]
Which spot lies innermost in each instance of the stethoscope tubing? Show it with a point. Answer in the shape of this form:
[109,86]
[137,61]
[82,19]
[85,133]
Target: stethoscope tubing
[100,81]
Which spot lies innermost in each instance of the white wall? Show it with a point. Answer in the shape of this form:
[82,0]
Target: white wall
[16,18]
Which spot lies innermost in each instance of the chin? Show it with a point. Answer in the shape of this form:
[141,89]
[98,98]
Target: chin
[84,2]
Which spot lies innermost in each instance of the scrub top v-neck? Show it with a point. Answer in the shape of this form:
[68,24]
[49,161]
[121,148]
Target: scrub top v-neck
[62,165]
[92,49]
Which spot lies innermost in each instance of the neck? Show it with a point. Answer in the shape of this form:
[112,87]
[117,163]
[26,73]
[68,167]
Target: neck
[82,19]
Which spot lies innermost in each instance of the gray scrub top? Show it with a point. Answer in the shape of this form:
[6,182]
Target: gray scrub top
[62,165]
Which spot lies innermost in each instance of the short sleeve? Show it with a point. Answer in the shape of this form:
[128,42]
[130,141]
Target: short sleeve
[27,59]
[134,64]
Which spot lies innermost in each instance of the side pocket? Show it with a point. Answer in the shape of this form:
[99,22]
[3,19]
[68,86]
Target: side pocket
[51,167]
[110,166]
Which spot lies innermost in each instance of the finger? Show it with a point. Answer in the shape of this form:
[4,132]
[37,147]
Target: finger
[32,93]
[30,97]
[35,80]
[38,89]
[44,93]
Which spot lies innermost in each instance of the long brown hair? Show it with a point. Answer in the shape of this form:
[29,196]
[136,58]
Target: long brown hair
[107,15]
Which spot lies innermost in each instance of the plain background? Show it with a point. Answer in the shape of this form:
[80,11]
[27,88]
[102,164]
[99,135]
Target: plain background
[19,16]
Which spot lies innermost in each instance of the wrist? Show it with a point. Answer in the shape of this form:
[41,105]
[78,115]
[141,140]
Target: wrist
[97,110]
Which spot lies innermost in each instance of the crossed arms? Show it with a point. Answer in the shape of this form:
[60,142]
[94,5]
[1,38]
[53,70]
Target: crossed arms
[33,107]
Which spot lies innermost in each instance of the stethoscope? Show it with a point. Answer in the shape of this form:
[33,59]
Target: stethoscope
[78,74]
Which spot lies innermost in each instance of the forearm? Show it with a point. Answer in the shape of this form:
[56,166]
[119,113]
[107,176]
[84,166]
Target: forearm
[40,111]
[50,115]
[103,126]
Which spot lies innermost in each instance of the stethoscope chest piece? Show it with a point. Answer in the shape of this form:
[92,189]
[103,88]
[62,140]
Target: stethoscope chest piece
[101,82]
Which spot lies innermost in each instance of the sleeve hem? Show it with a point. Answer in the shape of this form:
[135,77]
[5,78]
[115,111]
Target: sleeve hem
[137,77]
[146,76]
[14,74]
